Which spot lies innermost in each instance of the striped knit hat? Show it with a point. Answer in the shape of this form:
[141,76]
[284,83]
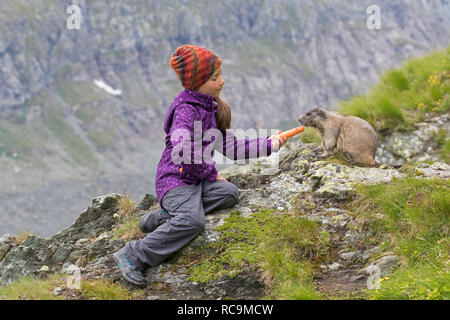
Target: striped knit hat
[194,65]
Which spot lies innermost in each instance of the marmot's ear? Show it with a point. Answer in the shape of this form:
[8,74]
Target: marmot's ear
[321,113]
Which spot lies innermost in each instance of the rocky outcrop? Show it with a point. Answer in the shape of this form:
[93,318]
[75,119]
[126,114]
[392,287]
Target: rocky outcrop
[416,145]
[303,183]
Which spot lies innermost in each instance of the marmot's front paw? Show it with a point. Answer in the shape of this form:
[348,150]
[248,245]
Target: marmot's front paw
[324,154]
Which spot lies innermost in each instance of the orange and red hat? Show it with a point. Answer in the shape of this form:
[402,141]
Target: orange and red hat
[194,65]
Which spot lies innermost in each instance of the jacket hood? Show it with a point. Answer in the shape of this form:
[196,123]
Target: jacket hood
[189,96]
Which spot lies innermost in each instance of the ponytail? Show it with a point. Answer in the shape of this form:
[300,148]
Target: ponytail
[223,115]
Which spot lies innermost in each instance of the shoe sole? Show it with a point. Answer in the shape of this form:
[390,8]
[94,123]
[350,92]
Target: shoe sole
[139,284]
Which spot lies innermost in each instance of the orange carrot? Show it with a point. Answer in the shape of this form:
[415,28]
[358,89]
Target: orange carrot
[292,132]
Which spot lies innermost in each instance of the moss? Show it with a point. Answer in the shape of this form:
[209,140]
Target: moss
[284,248]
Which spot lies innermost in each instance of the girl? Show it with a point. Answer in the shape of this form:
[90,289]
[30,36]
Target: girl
[187,191]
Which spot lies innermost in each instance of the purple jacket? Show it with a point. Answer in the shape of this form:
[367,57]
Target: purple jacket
[190,106]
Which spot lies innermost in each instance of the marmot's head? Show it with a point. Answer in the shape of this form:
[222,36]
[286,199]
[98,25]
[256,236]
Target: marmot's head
[313,118]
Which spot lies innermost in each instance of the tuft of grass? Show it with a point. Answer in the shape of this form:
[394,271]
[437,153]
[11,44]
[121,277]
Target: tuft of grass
[410,216]
[128,220]
[128,229]
[443,142]
[105,290]
[127,207]
[22,236]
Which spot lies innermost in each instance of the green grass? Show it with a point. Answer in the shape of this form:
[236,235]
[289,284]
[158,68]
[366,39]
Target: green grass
[443,142]
[284,248]
[105,290]
[411,217]
[405,94]
[29,288]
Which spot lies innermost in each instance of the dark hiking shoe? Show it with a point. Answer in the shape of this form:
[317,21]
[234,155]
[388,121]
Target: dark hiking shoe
[130,272]
[152,220]
[146,203]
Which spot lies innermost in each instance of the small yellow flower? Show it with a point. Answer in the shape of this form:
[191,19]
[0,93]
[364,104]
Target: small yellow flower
[386,278]
[416,252]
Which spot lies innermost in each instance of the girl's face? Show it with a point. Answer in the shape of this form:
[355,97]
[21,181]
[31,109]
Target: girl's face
[214,84]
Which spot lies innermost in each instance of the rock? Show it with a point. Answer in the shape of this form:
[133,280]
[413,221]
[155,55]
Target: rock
[148,201]
[417,145]
[334,266]
[437,169]
[370,252]
[336,181]
[352,236]
[6,243]
[351,255]
[382,266]
[36,253]
[57,291]
[44,268]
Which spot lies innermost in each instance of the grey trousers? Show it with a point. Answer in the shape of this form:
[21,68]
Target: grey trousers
[187,206]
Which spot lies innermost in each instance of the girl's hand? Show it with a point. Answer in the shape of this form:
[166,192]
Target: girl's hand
[277,141]
[220,178]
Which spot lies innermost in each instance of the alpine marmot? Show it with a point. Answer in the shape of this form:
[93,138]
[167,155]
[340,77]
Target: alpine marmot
[353,136]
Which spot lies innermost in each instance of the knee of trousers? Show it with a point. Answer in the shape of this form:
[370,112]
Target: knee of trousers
[229,188]
[196,224]
[234,193]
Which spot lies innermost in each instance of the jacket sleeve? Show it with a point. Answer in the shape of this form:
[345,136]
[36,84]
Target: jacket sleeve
[235,149]
[184,118]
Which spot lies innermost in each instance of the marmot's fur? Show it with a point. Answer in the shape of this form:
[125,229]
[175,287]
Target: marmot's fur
[353,136]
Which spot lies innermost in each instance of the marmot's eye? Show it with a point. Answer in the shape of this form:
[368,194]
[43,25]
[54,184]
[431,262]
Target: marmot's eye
[309,113]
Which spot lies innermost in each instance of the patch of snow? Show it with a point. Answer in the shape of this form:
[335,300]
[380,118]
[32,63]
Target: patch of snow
[102,85]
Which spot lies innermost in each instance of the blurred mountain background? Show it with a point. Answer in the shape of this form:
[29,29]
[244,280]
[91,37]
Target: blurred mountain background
[82,111]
